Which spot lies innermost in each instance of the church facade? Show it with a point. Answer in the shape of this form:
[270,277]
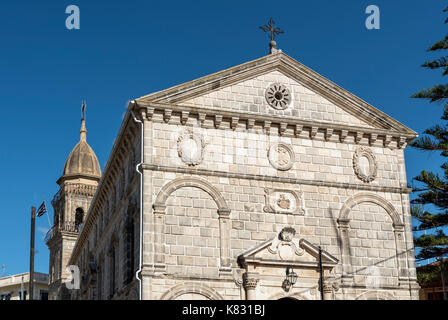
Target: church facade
[225,186]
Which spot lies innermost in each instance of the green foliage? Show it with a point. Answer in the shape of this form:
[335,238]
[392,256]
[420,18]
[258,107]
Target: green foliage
[428,220]
[432,274]
[433,188]
[436,93]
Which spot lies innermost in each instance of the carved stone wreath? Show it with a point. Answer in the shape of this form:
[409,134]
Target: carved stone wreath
[190,148]
[278,96]
[281,156]
[365,174]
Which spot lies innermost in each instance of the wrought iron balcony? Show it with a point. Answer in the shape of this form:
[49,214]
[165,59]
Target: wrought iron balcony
[67,226]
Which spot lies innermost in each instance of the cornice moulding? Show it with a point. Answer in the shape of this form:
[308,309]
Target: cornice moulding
[295,181]
[287,126]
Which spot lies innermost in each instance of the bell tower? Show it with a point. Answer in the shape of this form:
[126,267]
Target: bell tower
[71,203]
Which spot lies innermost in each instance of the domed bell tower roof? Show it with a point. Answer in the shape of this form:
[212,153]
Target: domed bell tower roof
[82,161]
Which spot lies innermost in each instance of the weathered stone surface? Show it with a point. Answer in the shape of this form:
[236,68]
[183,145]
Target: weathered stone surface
[198,217]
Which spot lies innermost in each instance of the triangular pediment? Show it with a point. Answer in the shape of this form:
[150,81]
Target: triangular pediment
[242,89]
[293,252]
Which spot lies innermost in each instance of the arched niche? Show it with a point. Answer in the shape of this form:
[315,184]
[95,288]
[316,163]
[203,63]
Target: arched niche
[188,290]
[375,295]
[344,226]
[160,211]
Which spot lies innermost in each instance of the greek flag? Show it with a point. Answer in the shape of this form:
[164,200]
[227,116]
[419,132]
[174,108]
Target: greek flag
[42,209]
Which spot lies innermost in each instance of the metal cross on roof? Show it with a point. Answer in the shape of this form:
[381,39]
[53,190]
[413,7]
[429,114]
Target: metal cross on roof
[270,28]
[83,110]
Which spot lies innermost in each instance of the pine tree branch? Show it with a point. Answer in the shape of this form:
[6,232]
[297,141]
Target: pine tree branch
[439,45]
[436,93]
[431,273]
[436,64]
[432,240]
[435,188]
[436,198]
[431,253]
[438,131]
[433,182]
[427,220]
[425,144]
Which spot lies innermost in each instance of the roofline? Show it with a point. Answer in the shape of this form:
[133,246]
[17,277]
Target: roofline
[200,80]
[81,238]
[24,274]
[284,63]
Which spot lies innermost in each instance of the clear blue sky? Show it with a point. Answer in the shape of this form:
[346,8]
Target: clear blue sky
[126,49]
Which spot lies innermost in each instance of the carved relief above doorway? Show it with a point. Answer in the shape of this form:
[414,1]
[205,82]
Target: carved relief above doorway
[265,266]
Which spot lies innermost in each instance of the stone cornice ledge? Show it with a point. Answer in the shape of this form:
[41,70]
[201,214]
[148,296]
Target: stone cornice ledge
[287,126]
[248,176]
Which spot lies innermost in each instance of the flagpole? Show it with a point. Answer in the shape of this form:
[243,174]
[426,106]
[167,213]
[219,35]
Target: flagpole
[33,220]
[49,223]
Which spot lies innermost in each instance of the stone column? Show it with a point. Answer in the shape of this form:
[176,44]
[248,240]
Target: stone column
[400,246]
[409,246]
[250,281]
[159,236]
[347,276]
[328,289]
[224,231]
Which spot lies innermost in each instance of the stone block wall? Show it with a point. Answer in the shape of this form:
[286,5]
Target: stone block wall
[236,163]
[249,96]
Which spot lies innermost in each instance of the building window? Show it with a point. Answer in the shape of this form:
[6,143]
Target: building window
[79,218]
[129,249]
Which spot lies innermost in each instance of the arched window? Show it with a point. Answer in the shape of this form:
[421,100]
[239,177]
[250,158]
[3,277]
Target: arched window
[79,218]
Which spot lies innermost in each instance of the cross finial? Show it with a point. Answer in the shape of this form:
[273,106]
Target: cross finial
[83,122]
[83,111]
[270,28]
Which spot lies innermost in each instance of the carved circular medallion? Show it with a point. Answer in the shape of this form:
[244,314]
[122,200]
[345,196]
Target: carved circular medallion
[281,156]
[278,96]
[190,148]
[364,164]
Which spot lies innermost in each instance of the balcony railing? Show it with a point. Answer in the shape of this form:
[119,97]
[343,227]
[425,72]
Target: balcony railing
[68,226]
